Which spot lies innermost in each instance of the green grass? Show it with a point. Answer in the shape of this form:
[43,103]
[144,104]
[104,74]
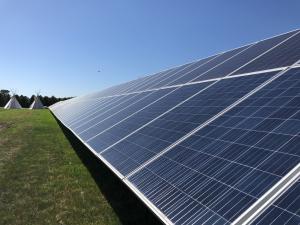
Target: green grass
[48,177]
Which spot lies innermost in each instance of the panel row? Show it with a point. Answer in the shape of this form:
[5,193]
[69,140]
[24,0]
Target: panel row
[218,172]
[143,144]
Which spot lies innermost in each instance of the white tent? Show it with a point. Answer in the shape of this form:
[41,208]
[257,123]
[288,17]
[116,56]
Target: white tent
[13,104]
[37,104]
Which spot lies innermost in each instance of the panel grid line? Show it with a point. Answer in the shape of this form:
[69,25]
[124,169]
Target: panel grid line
[154,118]
[219,171]
[293,114]
[208,122]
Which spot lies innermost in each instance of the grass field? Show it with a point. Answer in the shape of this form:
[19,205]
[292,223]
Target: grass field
[48,177]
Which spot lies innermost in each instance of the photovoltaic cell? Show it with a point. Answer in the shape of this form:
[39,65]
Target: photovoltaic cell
[244,57]
[285,54]
[286,210]
[102,140]
[99,108]
[186,70]
[226,166]
[104,120]
[146,85]
[153,138]
[100,113]
[75,115]
[205,68]
[132,86]
[110,91]
[157,83]
[70,110]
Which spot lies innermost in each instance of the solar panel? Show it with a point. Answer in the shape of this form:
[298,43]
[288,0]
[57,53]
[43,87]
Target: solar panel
[205,68]
[104,139]
[95,123]
[188,69]
[256,51]
[153,138]
[226,166]
[214,141]
[284,55]
[286,210]
[123,101]
[159,79]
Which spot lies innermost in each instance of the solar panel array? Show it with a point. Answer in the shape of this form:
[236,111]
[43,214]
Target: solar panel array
[215,141]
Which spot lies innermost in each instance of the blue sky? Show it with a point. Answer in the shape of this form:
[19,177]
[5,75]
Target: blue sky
[57,46]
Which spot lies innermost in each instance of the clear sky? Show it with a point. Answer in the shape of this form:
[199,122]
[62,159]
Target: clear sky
[57,46]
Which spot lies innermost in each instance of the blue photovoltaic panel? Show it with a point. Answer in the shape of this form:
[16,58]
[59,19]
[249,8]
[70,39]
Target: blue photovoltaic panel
[73,108]
[104,120]
[146,84]
[109,91]
[76,115]
[77,109]
[131,86]
[175,76]
[196,73]
[157,83]
[226,166]
[100,113]
[158,80]
[286,210]
[244,57]
[153,138]
[99,108]
[285,54]
[105,139]
[210,68]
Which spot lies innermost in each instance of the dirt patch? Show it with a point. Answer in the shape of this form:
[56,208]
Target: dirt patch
[4,126]
[7,156]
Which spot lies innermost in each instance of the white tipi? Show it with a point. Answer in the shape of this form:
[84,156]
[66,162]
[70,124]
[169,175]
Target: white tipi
[37,104]
[13,104]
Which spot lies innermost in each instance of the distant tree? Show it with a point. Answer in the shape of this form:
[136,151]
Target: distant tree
[53,100]
[4,97]
[31,99]
[5,92]
[46,101]
[23,100]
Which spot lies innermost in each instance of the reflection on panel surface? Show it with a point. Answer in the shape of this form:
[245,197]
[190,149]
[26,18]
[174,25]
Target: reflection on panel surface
[152,139]
[100,141]
[286,210]
[225,167]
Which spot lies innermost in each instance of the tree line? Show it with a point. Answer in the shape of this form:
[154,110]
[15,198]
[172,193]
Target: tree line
[26,101]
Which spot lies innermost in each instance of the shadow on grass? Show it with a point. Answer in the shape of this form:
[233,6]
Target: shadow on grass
[127,206]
